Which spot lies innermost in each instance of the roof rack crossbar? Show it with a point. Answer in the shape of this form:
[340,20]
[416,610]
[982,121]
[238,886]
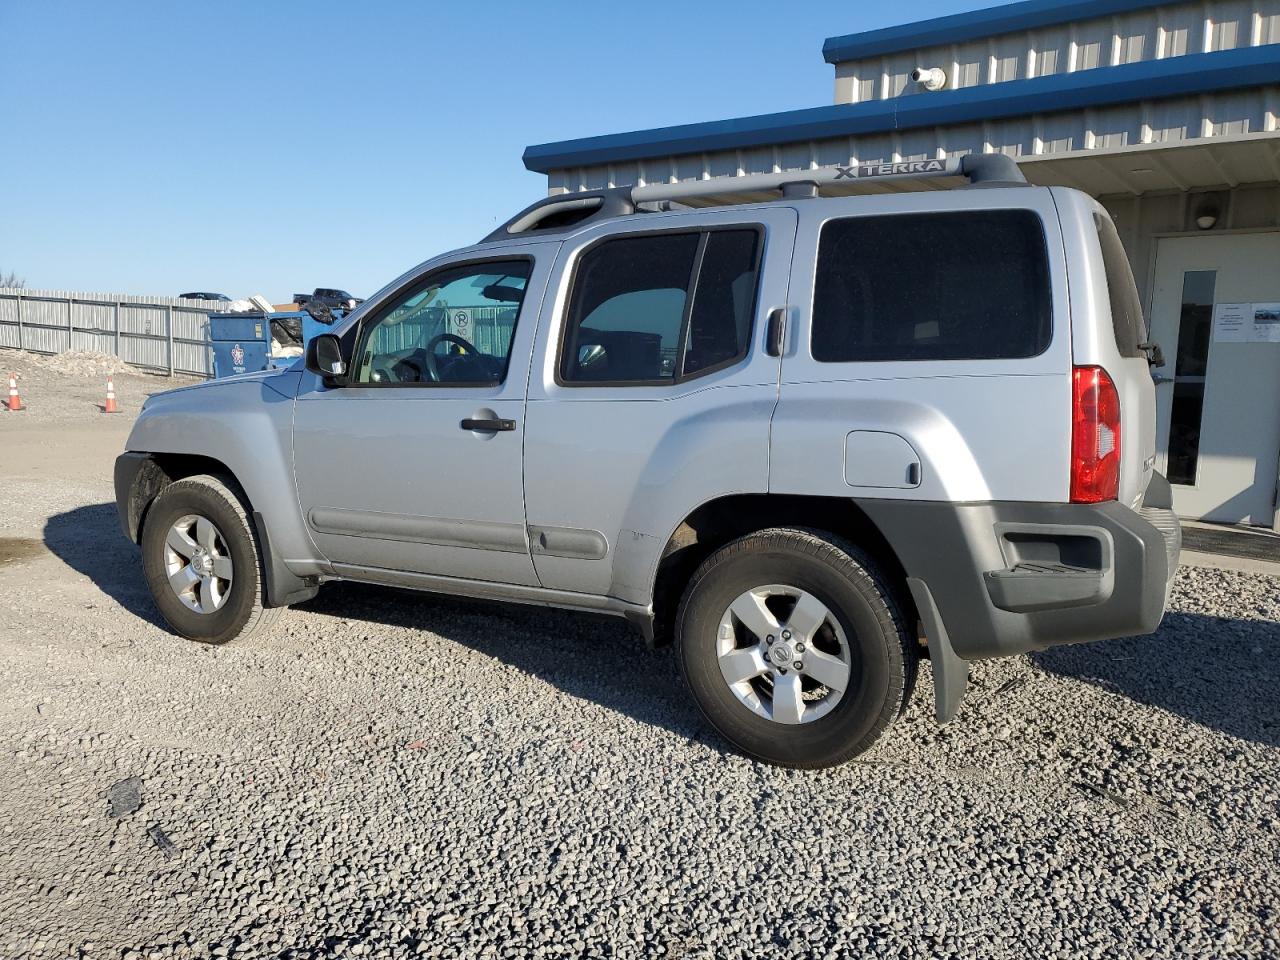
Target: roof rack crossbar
[979,168]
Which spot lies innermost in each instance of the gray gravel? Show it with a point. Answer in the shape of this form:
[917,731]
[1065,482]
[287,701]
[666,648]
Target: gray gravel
[388,774]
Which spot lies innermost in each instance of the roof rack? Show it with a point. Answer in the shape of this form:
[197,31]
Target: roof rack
[566,211]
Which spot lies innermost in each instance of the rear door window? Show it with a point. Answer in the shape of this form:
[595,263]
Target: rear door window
[1126,307]
[660,308]
[965,285]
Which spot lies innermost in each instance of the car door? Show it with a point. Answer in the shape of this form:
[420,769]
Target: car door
[415,464]
[652,388]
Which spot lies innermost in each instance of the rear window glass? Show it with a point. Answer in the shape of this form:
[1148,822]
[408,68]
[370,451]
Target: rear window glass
[933,286]
[1126,308]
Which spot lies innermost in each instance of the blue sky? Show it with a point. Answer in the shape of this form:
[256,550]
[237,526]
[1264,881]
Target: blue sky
[271,147]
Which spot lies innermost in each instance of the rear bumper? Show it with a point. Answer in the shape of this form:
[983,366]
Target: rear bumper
[1011,577]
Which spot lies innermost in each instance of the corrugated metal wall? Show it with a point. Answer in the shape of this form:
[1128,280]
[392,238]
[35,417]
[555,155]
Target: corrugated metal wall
[158,333]
[1158,33]
[1162,121]
[1152,34]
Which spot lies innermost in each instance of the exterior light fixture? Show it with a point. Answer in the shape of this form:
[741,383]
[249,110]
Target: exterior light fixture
[931,78]
[1206,217]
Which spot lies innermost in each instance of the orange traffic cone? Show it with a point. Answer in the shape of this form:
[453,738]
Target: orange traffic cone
[15,401]
[111,398]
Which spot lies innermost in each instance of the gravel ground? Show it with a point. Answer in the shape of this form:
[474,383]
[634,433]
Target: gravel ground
[389,774]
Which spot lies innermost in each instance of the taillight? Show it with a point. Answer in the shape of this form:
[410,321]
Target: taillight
[1095,436]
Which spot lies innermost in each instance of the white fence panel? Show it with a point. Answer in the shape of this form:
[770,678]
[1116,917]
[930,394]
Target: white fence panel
[152,352]
[159,333]
[194,358]
[145,319]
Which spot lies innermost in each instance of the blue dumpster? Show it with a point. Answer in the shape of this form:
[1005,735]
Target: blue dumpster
[243,342]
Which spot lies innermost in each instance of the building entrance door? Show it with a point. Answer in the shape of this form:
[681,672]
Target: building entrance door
[1218,395]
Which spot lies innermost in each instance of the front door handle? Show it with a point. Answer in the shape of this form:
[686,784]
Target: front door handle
[496,425]
[1157,380]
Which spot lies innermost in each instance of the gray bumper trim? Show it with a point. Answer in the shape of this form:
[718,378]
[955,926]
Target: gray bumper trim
[1010,577]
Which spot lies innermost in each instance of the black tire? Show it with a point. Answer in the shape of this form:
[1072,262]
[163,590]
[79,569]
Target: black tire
[243,611]
[848,582]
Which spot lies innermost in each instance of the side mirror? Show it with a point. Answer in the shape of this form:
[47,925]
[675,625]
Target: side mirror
[324,357]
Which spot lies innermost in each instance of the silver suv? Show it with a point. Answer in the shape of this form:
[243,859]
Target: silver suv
[809,439]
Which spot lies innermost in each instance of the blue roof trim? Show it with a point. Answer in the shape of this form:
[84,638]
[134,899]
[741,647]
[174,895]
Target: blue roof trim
[1151,79]
[959,27]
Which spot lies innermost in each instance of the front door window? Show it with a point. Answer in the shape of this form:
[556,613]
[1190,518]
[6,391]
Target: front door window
[453,329]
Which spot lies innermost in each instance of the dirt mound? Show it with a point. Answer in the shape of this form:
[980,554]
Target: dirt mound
[83,363]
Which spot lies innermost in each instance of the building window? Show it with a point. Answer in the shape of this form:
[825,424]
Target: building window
[1195,330]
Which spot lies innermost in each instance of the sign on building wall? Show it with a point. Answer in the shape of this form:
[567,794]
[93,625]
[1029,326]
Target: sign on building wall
[1246,322]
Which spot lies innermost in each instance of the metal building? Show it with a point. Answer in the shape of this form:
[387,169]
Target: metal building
[1167,112]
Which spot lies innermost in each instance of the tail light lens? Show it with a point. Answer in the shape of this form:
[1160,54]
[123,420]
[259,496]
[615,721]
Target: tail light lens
[1095,436]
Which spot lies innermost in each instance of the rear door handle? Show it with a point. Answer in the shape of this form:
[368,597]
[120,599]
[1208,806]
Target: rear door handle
[491,425]
[776,331]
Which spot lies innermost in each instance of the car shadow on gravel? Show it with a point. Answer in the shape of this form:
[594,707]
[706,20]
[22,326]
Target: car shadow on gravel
[592,657]
[1219,672]
[89,541]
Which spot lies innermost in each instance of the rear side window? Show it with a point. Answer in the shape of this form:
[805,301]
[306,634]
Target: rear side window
[970,285]
[1126,308]
[660,308]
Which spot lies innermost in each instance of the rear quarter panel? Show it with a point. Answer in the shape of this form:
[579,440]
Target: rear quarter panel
[1094,342]
[983,429]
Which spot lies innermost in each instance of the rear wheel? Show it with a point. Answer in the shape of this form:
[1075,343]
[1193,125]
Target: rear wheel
[793,647]
[200,558]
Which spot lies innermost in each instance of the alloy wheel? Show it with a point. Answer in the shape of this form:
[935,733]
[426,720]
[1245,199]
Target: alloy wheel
[784,654]
[198,563]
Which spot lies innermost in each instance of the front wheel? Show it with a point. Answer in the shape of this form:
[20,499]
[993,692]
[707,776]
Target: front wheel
[793,647]
[200,559]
